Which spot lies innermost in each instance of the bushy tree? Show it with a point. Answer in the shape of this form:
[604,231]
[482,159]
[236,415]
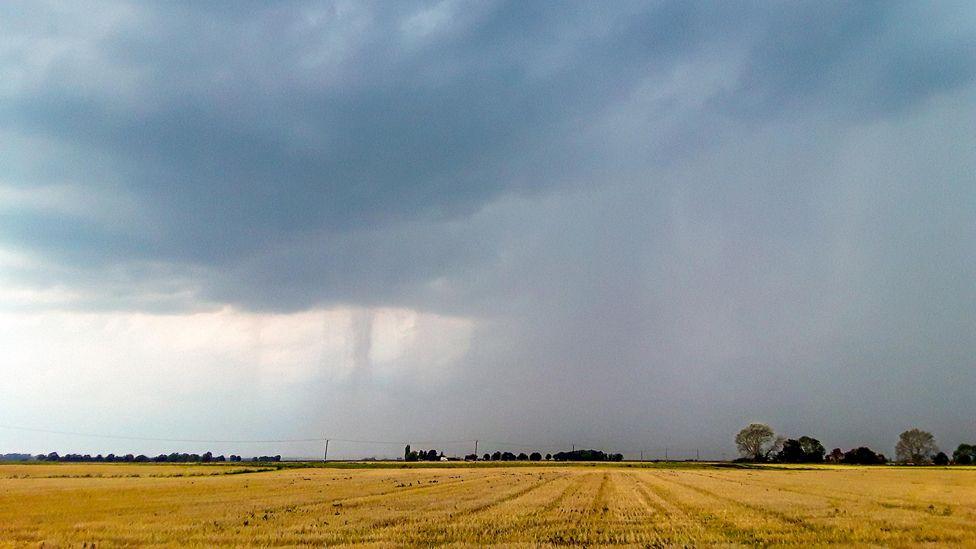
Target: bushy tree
[813,449]
[863,456]
[535,456]
[965,454]
[756,441]
[915,446]
[486,457]
[941,459]
[792,452]
[804,450]
[585,455]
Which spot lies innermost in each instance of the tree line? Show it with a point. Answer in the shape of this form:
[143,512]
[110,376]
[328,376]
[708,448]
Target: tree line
[174,457]
[575,455]
[758,443]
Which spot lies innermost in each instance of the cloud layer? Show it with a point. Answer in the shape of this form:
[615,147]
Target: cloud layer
[635,225]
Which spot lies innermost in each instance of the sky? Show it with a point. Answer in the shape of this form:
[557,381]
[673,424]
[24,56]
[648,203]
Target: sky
[621,225]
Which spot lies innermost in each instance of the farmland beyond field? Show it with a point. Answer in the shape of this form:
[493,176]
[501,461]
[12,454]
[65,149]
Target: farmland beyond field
[118,504]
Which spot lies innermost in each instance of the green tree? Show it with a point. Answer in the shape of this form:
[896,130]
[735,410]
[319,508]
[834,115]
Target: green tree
[915,446]
[812,449]
[756,441]
[792,452]
[863,456]
[964,454]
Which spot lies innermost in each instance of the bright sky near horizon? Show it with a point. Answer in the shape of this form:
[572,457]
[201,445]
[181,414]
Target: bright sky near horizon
[624,225]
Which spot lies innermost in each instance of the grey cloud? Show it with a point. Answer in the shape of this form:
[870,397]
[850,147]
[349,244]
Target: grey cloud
[273,148]
[668,218]
[861,60]
[234,145]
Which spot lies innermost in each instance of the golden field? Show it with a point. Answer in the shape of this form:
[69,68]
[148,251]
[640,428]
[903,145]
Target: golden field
[199,505]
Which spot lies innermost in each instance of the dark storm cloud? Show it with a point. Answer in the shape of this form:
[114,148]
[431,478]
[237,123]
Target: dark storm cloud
[670,210]
[248,128]
[237,135]
[856,59]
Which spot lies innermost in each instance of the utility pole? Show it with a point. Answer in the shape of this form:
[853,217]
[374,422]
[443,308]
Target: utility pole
[325,457]
[697,455]
[475,448]
[665,454]
[574,447]
[642,455]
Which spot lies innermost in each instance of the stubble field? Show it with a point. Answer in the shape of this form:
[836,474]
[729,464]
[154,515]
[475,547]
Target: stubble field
[144,505]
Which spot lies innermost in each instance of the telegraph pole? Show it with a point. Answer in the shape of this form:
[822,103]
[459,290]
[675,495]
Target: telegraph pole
[642,455]
[665,454]
[475,448]
[325,457]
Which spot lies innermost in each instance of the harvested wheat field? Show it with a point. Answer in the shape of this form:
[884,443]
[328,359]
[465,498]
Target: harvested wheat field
[145,505]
